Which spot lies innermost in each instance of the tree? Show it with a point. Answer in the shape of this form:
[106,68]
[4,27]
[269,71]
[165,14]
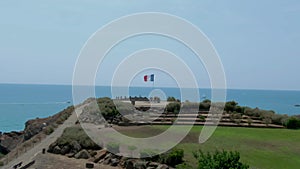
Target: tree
[171,99]
[173,107]
[220,159]
[293,123]
[230,106]
[205,105]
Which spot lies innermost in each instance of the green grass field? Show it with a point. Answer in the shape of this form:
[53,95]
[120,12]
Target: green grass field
[258,147]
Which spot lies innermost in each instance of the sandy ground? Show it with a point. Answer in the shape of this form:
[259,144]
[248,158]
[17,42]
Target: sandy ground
[52,161]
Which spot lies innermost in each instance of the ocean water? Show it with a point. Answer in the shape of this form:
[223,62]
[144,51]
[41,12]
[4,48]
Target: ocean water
[19,103]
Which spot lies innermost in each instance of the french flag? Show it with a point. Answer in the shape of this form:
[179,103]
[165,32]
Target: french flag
[149,78]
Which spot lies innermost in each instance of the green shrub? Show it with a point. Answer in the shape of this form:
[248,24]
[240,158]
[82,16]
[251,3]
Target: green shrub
[173,107]
[113,147]
[173,157]
[149,154]
[293,123]
[76,133]
[183,166]
[107,108]
[205,105]
[171,99]
[220,159]
[48,130]
[1,163]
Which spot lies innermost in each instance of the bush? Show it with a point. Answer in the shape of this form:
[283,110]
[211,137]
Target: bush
[205,105]
[172,158]
[1,163]
[279,119]
[149,154]
[220,159]
[107,108]
[113,147]
[171,99]
[230,106]
[183,166]
[48,130]
[173,107]
[293,123]
[76,133]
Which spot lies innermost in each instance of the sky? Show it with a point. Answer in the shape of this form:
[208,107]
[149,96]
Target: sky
[257,41]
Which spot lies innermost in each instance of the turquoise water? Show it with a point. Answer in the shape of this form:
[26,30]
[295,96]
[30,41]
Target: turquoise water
[19,103]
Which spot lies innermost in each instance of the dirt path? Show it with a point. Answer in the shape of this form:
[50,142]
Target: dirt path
[31,154]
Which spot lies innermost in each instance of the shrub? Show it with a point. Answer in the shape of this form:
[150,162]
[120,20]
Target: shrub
[220,159]
[279,119]
[76,133]
[173,107]
[149,154]
[1,163]
[230,106]
[48,130]
[293,123]
[183,166]
[107,108]
[173,157]
[171,99]
[113,147]
[205,105]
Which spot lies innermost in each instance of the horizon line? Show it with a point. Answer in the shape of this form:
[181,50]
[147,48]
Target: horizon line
[58,84]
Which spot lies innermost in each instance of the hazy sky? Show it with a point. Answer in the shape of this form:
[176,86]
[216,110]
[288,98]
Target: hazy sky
[258,41]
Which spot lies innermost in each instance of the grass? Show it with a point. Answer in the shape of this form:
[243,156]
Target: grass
[260,148]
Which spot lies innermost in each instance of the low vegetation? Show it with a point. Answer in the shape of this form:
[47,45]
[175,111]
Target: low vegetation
[77,134]
[293,123]
[220,159]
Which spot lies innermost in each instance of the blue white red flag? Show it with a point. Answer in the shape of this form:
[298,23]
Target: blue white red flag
[149,78]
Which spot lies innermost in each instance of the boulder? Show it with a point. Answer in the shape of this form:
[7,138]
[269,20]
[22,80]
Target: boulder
[154,164]
[70,155]
[141,164]
[56,150]
[76,147]
[162,166]
[65,149]
[83,154]
[129,164]
[114,162]
[100,155]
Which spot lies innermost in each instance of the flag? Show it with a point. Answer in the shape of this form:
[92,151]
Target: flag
[149,78]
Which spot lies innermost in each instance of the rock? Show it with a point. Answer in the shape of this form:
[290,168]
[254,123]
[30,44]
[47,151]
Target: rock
[3,150]
[100,155]
[56,150]
[123,161]
[83,154]
[114,162]
[9,141]
[153,164]
[108,156]
[107,161]
[92,153]
[66,149]
[141,164]
[162,166]
[129,164]
[70,155]
[75,147]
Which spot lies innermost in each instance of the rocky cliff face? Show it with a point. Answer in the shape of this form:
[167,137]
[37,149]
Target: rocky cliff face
[9,141]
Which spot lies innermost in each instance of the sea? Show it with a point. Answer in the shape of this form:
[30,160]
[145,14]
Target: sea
[22,102]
